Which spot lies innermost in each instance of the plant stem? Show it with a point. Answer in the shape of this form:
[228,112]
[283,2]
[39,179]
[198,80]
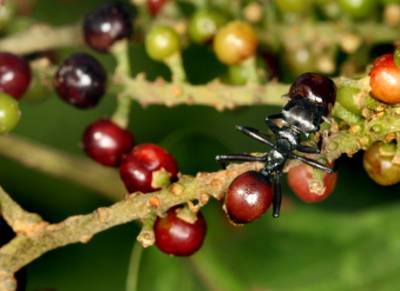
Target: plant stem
[132,279]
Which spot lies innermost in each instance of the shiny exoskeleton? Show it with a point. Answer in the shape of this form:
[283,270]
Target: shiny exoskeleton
[310,99]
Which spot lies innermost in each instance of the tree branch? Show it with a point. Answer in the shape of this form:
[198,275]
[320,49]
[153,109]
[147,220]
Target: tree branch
[27,246]
[63,165]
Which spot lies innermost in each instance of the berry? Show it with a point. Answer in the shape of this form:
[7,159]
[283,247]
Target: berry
[162,42]
[249,196]
[294,6]
[300,180]
[106,25]
[177,237]
[81,81]
[235,42]
[155,6]
[348,97]
[299,60]
[107,143]
[316,88]
[138,167]
[15,75]
[385,80]
[204,25]
[379,165]
[9,113]
[358,8]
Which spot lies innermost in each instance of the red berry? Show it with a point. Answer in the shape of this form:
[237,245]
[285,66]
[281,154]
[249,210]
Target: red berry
[385,80]
[107,24]
[107,143]
[138,167]
[249,196]
[177,237]
[15,75]
[316,88]
[155,6]
[300,179]
[81,81]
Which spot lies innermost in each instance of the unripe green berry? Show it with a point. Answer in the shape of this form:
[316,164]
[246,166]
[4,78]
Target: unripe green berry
[9,113]
[162,42]
[204,25]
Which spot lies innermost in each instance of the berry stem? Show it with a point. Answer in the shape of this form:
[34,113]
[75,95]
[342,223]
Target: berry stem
[132,278]
[175,64]
[121,53]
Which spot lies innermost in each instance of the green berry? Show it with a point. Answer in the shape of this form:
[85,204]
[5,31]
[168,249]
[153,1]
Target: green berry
[348,98]
[294,6]
[358,9]
[162,42]
[7,13]
[204,25]
[237,75]
[9,113]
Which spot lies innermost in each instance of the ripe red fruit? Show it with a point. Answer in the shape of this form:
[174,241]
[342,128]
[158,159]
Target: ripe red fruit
[81,81]
[300,179]
[107,24]
[177,237]
[106,142]
[249,196]
[138,167]
[15,75]
[155,6]
[385,80]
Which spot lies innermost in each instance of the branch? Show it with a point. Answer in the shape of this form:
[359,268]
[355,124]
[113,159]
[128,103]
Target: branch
[63,165]
[42,37]
[29,245]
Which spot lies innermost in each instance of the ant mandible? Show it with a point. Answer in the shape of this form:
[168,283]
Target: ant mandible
[311,98]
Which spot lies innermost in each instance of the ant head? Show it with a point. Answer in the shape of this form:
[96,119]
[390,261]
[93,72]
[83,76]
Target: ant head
[315,88]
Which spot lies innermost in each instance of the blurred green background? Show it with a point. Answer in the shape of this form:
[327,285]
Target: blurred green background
[349,242]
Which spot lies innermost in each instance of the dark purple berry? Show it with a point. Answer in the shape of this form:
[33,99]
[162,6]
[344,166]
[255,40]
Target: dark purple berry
[15,75]
[107,143]
[177,237]
[249,196]
[81,81]
[316,88]
[107,24]
[138,167]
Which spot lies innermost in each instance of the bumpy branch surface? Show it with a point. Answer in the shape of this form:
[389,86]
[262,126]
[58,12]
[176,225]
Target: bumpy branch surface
[36,237]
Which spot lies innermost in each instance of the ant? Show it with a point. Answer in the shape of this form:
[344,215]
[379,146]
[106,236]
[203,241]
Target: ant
[311,98]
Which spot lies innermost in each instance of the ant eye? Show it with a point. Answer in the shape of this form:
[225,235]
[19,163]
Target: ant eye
[316,88]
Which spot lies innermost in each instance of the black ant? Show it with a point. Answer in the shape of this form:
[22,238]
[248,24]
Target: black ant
[310,99]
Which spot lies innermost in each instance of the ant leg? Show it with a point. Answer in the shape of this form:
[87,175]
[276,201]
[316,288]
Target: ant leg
[222,159]
[312,163]
[308,149]
[277,199]
[254,133]
[271,124]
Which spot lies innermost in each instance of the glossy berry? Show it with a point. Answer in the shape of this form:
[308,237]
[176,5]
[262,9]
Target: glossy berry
[204,25]
[106,142]
[300,180]
[248,197]
[177,237]
[235,42]
[379,165]
[347,96]
[9,113]
[155,6]
[315,87]
[162,42]
[81,81]
[15,75]
[138,167]
[106,25]
[358,8]
[385,80]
